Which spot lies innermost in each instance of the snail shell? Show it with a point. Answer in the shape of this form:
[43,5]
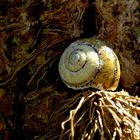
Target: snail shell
[89,63]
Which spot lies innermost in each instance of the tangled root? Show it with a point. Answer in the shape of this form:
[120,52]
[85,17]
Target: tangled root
[103,114]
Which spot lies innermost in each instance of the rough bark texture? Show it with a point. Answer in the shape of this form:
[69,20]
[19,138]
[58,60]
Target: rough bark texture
[33,35]
[120,26]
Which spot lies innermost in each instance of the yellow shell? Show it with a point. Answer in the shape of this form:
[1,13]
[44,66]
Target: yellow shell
[89,63]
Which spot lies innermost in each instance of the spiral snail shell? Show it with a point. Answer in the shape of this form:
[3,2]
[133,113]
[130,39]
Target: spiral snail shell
[89,63]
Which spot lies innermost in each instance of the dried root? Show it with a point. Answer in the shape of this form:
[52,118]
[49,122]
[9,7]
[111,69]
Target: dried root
[105,115]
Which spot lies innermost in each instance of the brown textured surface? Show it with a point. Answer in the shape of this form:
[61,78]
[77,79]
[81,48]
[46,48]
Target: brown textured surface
[120,26]
[33,35]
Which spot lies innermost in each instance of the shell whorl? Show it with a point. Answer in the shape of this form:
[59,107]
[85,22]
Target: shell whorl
[78,64]
[89,63]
